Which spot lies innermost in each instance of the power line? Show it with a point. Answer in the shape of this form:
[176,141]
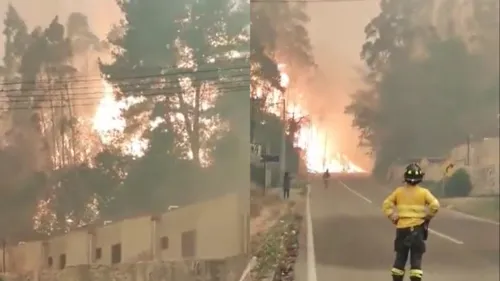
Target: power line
[98,92]
[304,1]
[65,102]
[176,72]
[45,92]
[236,89]
[97,95]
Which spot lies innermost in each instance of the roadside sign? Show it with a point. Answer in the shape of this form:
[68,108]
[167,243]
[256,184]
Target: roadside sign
[270,158]
[449,169]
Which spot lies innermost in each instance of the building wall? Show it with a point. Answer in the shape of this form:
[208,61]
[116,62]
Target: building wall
[228,269]
[24,257]
[482,158]
[215,227]
[433,171]
[73,246]
[218,220]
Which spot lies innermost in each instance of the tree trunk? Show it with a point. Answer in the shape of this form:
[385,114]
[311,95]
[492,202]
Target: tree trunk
[55,152]
[192,126]
[72,127]
[61,125]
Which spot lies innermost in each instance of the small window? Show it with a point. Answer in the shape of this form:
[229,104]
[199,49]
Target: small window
[164,243]
[50,261]
[98,253]
[62,261]
[188,244]
[116,253]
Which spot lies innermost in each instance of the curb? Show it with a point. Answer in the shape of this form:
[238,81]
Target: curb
[246,273]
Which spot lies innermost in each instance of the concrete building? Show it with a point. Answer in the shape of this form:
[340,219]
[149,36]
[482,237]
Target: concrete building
[213,229]
[481,159]
[432,166]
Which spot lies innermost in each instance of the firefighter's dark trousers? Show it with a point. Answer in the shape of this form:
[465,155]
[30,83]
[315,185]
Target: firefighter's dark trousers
[409,242]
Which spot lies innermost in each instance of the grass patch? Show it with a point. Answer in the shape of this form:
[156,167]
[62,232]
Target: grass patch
[484,207]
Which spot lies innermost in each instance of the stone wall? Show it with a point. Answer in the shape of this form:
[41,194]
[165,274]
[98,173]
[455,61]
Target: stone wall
[228,269]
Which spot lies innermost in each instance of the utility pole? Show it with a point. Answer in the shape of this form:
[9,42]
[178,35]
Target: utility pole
[266,170]
[324,150]
[283,141]
[4,255]
[467,159]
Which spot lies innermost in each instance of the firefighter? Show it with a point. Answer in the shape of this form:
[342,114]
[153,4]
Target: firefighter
[326,178]
[410,208]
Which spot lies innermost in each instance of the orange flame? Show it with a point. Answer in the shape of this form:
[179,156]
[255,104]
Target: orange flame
[320,149]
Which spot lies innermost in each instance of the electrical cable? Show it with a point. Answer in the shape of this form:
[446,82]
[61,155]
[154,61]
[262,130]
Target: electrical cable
[304,1]
[176,72]
[34,92]
[143,93]
[124,85]
[17,108]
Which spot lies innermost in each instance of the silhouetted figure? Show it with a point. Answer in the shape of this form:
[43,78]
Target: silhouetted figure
[286,185]
[326,177]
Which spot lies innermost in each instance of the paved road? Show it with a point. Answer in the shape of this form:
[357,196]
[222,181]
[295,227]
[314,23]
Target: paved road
[353,241]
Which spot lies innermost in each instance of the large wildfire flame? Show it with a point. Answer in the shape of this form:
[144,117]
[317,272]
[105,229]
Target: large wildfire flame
[318,143]
[315,139]
[320,149]
[108,122]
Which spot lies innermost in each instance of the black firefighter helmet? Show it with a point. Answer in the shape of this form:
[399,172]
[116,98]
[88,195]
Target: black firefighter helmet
[413,174]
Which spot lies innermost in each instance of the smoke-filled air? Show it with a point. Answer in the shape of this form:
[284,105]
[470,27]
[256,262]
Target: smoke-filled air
[116,108]
[366,83]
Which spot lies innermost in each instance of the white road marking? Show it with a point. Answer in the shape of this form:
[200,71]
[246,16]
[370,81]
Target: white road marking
[446,237]
[356,193]
[472,217]
[437,233]
[311,257]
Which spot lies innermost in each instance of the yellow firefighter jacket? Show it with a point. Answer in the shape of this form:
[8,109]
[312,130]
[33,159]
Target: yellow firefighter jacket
[412,204]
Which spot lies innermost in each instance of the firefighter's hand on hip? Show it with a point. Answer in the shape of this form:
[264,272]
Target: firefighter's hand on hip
[394,218]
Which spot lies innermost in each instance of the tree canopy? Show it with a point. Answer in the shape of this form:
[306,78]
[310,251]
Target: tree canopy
[278,38]
[179,73]
[430,83]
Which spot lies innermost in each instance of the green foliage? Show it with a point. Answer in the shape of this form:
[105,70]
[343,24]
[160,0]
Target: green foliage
[426,88]
[458,185]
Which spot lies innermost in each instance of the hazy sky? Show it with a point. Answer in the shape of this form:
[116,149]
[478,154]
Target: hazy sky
[337,33]
[102,13]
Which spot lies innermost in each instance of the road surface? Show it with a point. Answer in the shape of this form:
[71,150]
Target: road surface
[352,240]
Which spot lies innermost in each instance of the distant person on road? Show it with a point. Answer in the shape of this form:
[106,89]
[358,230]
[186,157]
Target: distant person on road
[326,178]
[287,182]
[410,208]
